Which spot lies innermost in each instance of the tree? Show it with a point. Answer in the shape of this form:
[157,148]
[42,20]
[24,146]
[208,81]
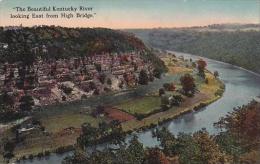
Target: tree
[67,90]
[117,135]
[161,91]
[136,151]
[157,73]
[156,156]
[242,127]
[26,103]
[102,78]
[6,100]
[89,135]
[176,100]
[143,77]
[209,151]
[216,74]
[166,139]
[101,157]
[188,84]
[8,146]
[201,67]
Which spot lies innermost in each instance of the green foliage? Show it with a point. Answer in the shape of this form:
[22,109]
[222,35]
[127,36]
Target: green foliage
[193,149]
[66,90]
[143,77]
[8,148]
[229,144]
[65,42]
[241,133]
[6,109]
[26,103]
[236,47]
[176,100]
[157,73]
[47,42]
[133,154]
[136,151]
[106,131]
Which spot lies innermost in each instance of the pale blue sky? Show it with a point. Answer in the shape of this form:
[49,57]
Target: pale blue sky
[142,13]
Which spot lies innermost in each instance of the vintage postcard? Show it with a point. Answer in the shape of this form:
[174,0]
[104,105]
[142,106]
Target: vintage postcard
[130,81]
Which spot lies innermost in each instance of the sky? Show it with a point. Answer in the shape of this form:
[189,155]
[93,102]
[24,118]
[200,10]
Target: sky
[138,13]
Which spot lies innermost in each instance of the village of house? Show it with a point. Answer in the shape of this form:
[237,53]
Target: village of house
[55,81]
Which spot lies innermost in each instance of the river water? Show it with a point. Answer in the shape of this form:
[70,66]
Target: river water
[241,87]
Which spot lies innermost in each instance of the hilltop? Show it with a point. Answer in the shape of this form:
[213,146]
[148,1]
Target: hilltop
[237,44]
[49,42]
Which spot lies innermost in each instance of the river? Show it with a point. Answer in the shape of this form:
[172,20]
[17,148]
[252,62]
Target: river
[241,87]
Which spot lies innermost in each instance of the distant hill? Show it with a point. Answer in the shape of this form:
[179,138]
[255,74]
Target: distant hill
[232,43]
[60,42]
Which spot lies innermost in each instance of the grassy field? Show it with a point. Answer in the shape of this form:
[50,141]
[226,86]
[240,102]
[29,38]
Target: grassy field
[212,86]
[144,105]
[58,137]
[59,122]
[206,96]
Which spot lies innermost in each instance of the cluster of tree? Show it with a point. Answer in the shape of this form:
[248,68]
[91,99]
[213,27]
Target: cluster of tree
[144,77]
[199,147]
[240,132]
[26,103]
[134,153]
[7,147]
[65,42]
[27,44]
[240,137]
[237,47]
[168,101]
[7,112]
[111,131]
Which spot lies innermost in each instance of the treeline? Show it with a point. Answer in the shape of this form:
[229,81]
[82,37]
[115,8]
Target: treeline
[236,47]
[66,42]
[50,42]
[239,143]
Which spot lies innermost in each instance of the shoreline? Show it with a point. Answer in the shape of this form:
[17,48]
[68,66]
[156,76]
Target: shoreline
[222,62]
